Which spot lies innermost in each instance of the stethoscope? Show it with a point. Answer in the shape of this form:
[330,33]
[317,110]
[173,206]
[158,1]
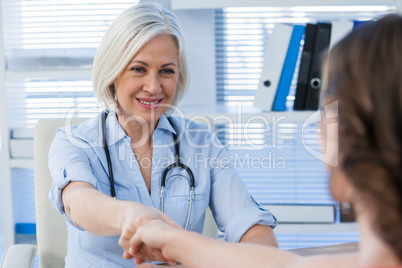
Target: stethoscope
[177,163]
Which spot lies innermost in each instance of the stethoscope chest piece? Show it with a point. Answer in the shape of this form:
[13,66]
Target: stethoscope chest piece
[178,164]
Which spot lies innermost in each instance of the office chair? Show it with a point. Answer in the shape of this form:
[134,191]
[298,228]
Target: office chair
[51,232]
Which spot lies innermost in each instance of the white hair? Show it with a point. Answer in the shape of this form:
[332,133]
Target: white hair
[128,33]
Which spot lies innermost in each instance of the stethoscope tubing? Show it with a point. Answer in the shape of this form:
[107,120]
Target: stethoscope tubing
[109,162]
[177,163]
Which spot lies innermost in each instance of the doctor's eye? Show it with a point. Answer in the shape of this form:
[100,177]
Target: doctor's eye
[138,69]
[167,71]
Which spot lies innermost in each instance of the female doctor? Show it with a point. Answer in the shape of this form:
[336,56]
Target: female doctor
[117,171]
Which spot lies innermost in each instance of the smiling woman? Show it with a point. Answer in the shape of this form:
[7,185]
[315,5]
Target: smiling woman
[140,73]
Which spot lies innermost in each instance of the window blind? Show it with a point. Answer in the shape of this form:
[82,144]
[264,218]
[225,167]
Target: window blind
[49,50]
[49,24]
[275,165]
[32,99]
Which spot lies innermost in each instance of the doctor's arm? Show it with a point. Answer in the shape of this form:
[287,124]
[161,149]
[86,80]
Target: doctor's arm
[236,213]
[102,215]
[261,235]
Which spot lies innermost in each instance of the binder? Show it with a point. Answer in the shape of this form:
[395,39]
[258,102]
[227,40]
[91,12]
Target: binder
[322,38]
[339,29]
[357,23]
[305,66]
[288,68]
[274,59]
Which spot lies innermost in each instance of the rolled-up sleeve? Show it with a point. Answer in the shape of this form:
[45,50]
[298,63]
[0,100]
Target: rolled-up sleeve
[234,210]
[67,163]
[247,218]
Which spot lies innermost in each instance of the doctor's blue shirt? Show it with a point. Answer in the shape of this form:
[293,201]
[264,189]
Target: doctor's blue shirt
[77,154]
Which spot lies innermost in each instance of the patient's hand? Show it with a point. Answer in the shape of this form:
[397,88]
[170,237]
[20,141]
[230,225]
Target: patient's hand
[155,234]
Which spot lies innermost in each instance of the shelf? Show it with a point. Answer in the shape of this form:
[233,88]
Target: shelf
[22,163]
[207,4]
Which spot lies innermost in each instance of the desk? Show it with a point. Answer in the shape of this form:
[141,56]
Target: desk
[329,250]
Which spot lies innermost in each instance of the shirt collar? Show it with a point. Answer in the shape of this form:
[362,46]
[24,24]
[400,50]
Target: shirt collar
[115,132]
[165,124]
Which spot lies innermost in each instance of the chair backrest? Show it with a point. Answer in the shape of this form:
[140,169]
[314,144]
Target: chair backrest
[51,233]
[51,226]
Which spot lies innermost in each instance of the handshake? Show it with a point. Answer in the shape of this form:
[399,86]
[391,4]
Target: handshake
[146,234]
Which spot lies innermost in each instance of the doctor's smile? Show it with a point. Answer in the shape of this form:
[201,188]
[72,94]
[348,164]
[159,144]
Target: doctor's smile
[149,103]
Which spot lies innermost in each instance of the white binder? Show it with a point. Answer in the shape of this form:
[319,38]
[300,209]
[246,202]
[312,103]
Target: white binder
[274,58]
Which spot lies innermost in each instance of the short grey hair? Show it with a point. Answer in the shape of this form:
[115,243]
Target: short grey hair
[128,33]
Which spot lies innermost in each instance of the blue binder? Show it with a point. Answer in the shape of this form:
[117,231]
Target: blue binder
[357,23]
[288,69]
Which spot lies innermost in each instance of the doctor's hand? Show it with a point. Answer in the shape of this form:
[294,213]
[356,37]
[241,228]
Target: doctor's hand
[136,216]
[153,235]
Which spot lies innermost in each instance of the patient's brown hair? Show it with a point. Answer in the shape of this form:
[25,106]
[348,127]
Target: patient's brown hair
[363,72]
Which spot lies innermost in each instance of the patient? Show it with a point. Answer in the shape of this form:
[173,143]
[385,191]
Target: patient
[363,87]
